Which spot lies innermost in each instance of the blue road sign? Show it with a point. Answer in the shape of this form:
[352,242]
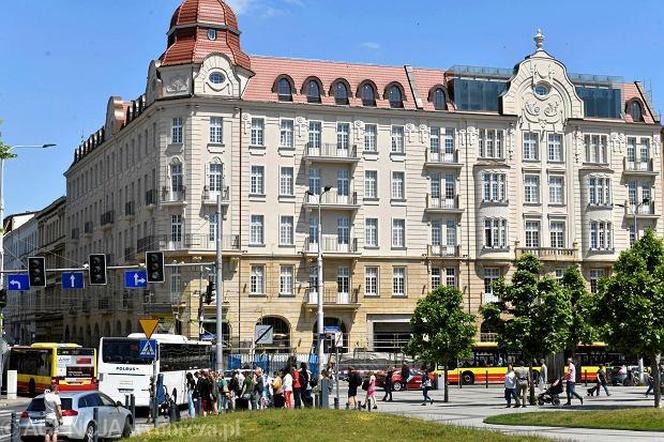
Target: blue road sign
[136,279]
[148,348]
[72,280]
[18,282]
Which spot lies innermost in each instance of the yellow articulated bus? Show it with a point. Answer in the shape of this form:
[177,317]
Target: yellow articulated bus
[73,367]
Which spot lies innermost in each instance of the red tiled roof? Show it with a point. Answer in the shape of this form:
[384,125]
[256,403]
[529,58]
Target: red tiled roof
[630,92]
[426,79]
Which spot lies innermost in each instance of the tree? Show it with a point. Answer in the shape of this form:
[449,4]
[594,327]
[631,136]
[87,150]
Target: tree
[442,332]
[629,306]
[533,314]
[581,301]
[5,150]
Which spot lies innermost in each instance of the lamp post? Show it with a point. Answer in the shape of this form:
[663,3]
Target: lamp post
[319,289]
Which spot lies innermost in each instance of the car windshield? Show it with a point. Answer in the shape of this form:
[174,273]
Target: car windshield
[37,404]
[123,351]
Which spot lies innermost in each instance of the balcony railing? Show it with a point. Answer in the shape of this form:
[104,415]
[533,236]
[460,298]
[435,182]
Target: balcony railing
[333,198]
[548,252]
[443,251]
[87,228]
[643,209]
[151,197]
[198,242]
[75,233]
[106,218]
[331,244]
[443,158]
[332,296]
[638,165]
[210,196]
[130,208]
[442,203]
[488,337]
[170,195]
[332,151]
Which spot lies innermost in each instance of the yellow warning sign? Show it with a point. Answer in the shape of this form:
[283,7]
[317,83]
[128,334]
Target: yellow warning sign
[149,325]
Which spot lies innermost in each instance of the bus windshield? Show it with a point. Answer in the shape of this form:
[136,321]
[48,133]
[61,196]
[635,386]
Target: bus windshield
[122,351]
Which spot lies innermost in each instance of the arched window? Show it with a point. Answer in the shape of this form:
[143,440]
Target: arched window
[395,96]
[368,95]
[439,99]
[328,346]
[280,334]
[284,90]
[340,93]
[635,111]
[313,92]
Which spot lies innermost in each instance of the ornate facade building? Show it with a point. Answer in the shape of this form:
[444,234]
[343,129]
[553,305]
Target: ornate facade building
[424,177]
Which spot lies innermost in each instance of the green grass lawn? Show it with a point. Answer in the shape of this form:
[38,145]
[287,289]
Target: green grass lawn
[644,419]
[318,425]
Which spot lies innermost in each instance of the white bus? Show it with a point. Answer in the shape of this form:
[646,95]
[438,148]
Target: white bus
[122,371]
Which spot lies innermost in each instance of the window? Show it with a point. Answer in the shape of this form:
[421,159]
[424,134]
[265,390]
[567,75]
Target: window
[399,281]
[284,90]
[532,234]
[343,279]
[555,149]
[176,131]
[595,276]
[216,130]
[371,232]
[491,275]
[371,281]
[313,92]
[368,95]
[645,150]
[314,181]
[635,111]
[531,189]
[212,34]
[343,136]
[631,150]
[370,184]
[491,144]
[494,187]
[601,236]
[399,233]
[450,277]
[397,139]
[632,233]
[257,285]
[439,99]
[370,144]
[286,280]
[176,178]
[632,192]
[256,231]
[176,229]
[596,150]
[286,181]
[495,233]
[343,233]
[314,134]
[286,134]
[398,192]
[343,185]
[257,131]
[215,177]
[435,278]
[556,189]
[541,89]
[599,191]
[434,142]
[395,96]
[530,146]
[340,93]
[557,231]
[213,227]
[257,180]
[313,229]
[216,78]
[286,231]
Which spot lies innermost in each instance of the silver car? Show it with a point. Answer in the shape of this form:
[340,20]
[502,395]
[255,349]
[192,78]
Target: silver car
[113,420]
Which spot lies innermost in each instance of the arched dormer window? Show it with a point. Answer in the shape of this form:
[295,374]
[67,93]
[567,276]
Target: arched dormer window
[313,91]
[635,110]
[368,94]
[395,96]
[438,99]
[340,93]
[284,89]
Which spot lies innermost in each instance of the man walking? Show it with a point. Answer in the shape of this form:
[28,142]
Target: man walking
[522,382]
[510,387]
[570,377]
[387,385]
[53,413]
[543,377]
[601,382]
[405,376]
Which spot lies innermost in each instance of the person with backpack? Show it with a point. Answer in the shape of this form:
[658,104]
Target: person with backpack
[426,387]
[354,382]
[305,385]
[387,385]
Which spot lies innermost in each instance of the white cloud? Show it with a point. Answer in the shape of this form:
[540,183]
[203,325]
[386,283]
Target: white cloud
[241,6]
[268,8]
[371,45]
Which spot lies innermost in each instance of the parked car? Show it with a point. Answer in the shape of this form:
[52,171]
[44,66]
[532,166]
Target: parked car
[415,382]
[113,420]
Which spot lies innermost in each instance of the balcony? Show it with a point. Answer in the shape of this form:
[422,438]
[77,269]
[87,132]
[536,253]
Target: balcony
[331,245]
[198,242]
[331,153]
[639,167]
[442,159]
[333,200]
[549,253]
[170,196]
[332,298]
[87,228]
[443,205]
[443,251]
[151,198]
[130,209]
[75,234]
[644,211]
[210,197]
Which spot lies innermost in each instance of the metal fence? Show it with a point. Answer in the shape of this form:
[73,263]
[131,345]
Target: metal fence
[270,362]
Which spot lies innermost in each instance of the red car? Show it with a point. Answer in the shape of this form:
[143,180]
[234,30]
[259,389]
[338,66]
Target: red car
[415,382]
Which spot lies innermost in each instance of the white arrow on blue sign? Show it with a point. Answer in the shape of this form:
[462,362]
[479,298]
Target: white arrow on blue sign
[135,279]
[18,282]
[72,280]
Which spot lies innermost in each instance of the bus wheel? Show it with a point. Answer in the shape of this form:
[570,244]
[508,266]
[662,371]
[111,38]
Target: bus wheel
[32,388]
[468,378]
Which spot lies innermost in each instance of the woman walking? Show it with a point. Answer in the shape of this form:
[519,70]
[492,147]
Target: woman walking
[370,401]
[191,389]
[426,387]
[354,381]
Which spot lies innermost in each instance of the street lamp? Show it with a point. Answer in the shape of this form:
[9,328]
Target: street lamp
[319,289]
[635,211]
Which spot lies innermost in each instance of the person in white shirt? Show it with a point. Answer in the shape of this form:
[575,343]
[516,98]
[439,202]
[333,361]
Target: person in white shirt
[570,377]
[288,389]
[510,387]
[53,413]
[543,376]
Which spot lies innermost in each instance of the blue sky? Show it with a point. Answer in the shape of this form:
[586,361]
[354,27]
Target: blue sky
[62,59]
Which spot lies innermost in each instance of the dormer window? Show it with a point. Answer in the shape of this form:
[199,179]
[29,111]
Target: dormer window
[368,95]
[340,93]
[216,78]
[313,92]
[635,111]
[439,99]
[212,34]
[395,96]
[284,90]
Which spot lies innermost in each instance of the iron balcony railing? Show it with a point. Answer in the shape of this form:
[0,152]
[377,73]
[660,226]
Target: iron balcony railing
[332,150]
[332,296]
[331,244]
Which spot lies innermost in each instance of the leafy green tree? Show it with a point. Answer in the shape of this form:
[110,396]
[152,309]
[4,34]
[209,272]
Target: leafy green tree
[629,308]
[581,300]
[533,314]
[442,332]
[5,150]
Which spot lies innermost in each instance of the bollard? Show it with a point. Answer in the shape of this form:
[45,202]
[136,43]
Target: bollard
[460,378]
[585,378]
[172,415]
[15,435]
[486,379]
[95,418]
[12,384]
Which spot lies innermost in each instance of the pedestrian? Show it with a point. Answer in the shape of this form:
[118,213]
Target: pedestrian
[247,393]
[191,392]
[426,387]
[370,399]
[52,413]
[543,376]
[224,394]
[405,376]
[600,382]
[204,388]
[522,383]
[510,387]
[570,377]
[288,388]
[278,391]
[651,384]
[297,387]
[234,388]
[387,385]
[197,396]
[305,385]
[215,392]
[354,381]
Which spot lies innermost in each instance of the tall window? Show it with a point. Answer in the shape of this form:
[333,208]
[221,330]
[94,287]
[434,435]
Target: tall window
[257,180]
[595,276]
[436,233]
[340,93]
[284,90]
[555,148]
[313,229]
[313,92]
[556,189]
[176,229]
[257,131]
[286,231]
[176,130]
[450,277]
[343,136]
[596,149]
[371,232]
[435,278]
[601,236]
[439,99]
[491,275]
[257,283]
[631,150]
[314,180]
[176,177]
[434,143]
[399,232]
[370,184]
[214,226]
[286,280]
[370,144]
[599,191]
[286,133]
[632,192]
[256,230]
[216,176]
[557,231]
[343,232]
[371,281]
[644,150]
[216,130]
[532,234]
[495,233]
[368,95]
[397,139]
[491,144]
[494,189]
[395,96]
[530,146]
[398,192]
[343,279]
[531,189]
[314,134]
[286,181]
[399,281]
[343,184]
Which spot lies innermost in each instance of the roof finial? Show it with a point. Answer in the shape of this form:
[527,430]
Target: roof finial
[539,40]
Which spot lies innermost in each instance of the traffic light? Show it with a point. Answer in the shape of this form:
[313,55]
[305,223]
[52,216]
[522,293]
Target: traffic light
[37,271]
[208,292]
[97,269]
[154,263]
[3,298]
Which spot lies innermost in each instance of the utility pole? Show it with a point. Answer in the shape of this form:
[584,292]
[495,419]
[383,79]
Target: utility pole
[220,285]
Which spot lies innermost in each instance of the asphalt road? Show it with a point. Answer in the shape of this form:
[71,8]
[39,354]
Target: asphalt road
[6,408]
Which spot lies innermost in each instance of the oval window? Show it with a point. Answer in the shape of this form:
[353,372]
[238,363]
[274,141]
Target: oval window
[541,90]
[217,78]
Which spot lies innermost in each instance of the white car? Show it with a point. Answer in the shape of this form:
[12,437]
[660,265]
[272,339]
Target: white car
[113,420]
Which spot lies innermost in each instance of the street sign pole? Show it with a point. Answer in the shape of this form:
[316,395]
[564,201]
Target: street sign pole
[220,286]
